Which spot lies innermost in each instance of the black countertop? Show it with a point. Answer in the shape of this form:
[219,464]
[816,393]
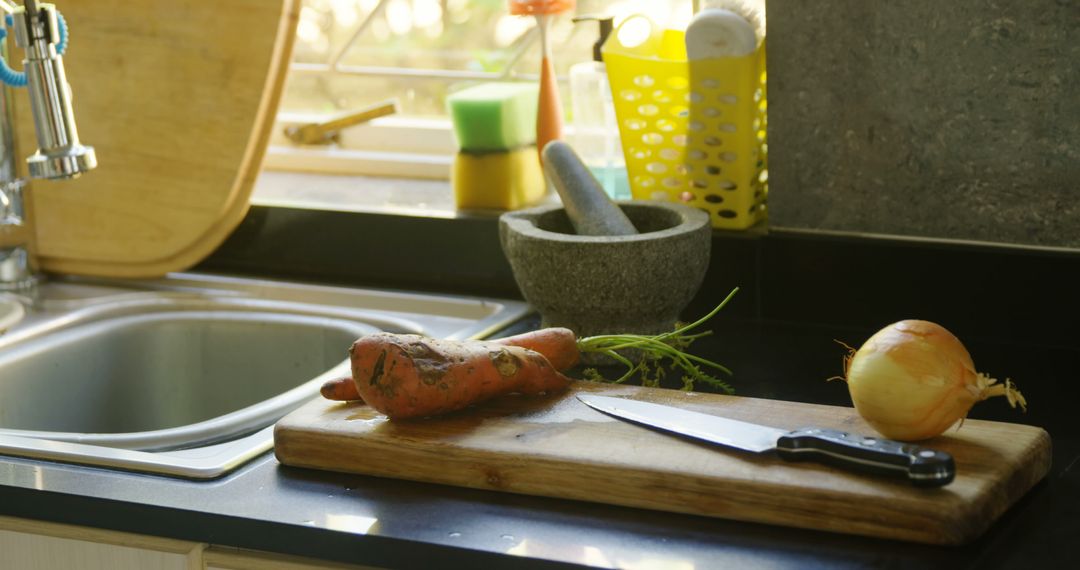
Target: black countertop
[381,522]
[267,506]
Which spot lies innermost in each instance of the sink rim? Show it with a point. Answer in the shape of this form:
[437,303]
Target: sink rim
[215,460]
[12,311]
[87,312]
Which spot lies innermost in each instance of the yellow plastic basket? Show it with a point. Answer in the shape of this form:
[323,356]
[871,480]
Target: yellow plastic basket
[691,131]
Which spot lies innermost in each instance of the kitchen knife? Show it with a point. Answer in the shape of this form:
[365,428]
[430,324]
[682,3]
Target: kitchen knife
[922,466]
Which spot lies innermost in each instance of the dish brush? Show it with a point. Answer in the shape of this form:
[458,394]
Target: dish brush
[549,110]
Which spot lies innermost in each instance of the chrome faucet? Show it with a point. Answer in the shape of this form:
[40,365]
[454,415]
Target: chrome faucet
[59,155]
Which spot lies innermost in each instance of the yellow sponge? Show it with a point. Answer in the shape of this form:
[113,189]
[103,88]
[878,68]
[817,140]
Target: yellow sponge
[498,180]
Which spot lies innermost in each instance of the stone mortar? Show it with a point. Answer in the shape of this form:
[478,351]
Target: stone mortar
[609,284]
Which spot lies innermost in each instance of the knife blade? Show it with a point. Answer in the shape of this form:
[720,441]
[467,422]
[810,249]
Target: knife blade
[921,466]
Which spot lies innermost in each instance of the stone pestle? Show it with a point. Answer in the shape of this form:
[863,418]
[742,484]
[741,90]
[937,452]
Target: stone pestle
[590,210]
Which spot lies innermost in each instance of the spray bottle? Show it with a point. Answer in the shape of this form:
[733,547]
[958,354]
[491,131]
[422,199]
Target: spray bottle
[595,128]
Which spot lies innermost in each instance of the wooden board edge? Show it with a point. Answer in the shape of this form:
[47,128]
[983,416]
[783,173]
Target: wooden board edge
[957,520]
[737,501]
[1033,466]
[239,200]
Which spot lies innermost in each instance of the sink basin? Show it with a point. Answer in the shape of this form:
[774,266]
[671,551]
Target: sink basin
[186,375]
[165,380]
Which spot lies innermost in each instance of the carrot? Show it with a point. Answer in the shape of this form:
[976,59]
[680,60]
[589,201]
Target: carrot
[557,344]
[341,389]
[406,376]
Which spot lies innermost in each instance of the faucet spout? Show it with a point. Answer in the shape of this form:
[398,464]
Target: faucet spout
[60,154]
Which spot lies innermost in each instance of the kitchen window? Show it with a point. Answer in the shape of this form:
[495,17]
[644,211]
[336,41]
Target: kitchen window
[353,54]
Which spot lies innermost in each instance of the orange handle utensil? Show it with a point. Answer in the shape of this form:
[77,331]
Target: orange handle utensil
[549,112]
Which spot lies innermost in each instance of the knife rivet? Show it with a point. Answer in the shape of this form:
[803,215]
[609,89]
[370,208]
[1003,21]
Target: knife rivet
[869,441]
[927,453]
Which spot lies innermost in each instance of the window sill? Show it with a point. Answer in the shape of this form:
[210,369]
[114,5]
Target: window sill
[364,193]
[355,193]
[389,146]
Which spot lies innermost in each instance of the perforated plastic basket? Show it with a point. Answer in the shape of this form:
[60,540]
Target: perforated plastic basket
[691,131]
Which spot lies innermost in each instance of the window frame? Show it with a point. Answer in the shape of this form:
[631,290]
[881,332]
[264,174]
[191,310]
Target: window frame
[394,146]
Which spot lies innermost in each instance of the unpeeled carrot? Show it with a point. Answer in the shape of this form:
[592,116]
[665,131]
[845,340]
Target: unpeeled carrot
[410,375]
[340,389]
[406,376]
[557,344]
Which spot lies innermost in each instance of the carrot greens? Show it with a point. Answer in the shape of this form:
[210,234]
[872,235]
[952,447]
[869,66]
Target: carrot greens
[651,352]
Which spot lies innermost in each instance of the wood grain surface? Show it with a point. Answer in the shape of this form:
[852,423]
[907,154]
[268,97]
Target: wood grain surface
[177,97]
[557,447]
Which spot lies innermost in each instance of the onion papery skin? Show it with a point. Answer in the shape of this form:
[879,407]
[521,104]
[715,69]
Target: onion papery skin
[912,380]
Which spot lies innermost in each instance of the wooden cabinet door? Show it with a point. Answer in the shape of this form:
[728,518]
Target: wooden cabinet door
[226,558]
[33,545]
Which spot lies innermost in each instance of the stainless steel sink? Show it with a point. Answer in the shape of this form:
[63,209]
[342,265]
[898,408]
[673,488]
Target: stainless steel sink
[186,375]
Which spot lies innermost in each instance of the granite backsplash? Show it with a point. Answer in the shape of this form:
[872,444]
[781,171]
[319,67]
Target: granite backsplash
[955,120]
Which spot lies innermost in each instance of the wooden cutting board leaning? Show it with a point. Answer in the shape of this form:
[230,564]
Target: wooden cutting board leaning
[178,98]
[558,447]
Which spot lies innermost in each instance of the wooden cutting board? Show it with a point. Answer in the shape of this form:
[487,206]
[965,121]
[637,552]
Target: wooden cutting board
[178,98]
[558,447]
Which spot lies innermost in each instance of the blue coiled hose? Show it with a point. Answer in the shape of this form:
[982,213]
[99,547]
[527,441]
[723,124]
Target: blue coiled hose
[18,78]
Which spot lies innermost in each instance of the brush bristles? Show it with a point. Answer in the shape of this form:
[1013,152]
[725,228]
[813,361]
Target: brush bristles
[752,10]
[534,7]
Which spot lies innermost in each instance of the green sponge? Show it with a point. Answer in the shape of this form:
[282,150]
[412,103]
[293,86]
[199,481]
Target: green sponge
[494,116]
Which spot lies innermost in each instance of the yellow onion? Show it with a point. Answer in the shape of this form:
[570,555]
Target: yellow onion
[914,379]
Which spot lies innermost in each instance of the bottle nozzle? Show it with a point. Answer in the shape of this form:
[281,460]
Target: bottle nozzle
[607,24]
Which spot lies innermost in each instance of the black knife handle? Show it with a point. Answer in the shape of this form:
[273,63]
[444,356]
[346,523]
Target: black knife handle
[922,466]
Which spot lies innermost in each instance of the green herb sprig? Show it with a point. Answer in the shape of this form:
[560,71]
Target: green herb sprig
[655,349]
